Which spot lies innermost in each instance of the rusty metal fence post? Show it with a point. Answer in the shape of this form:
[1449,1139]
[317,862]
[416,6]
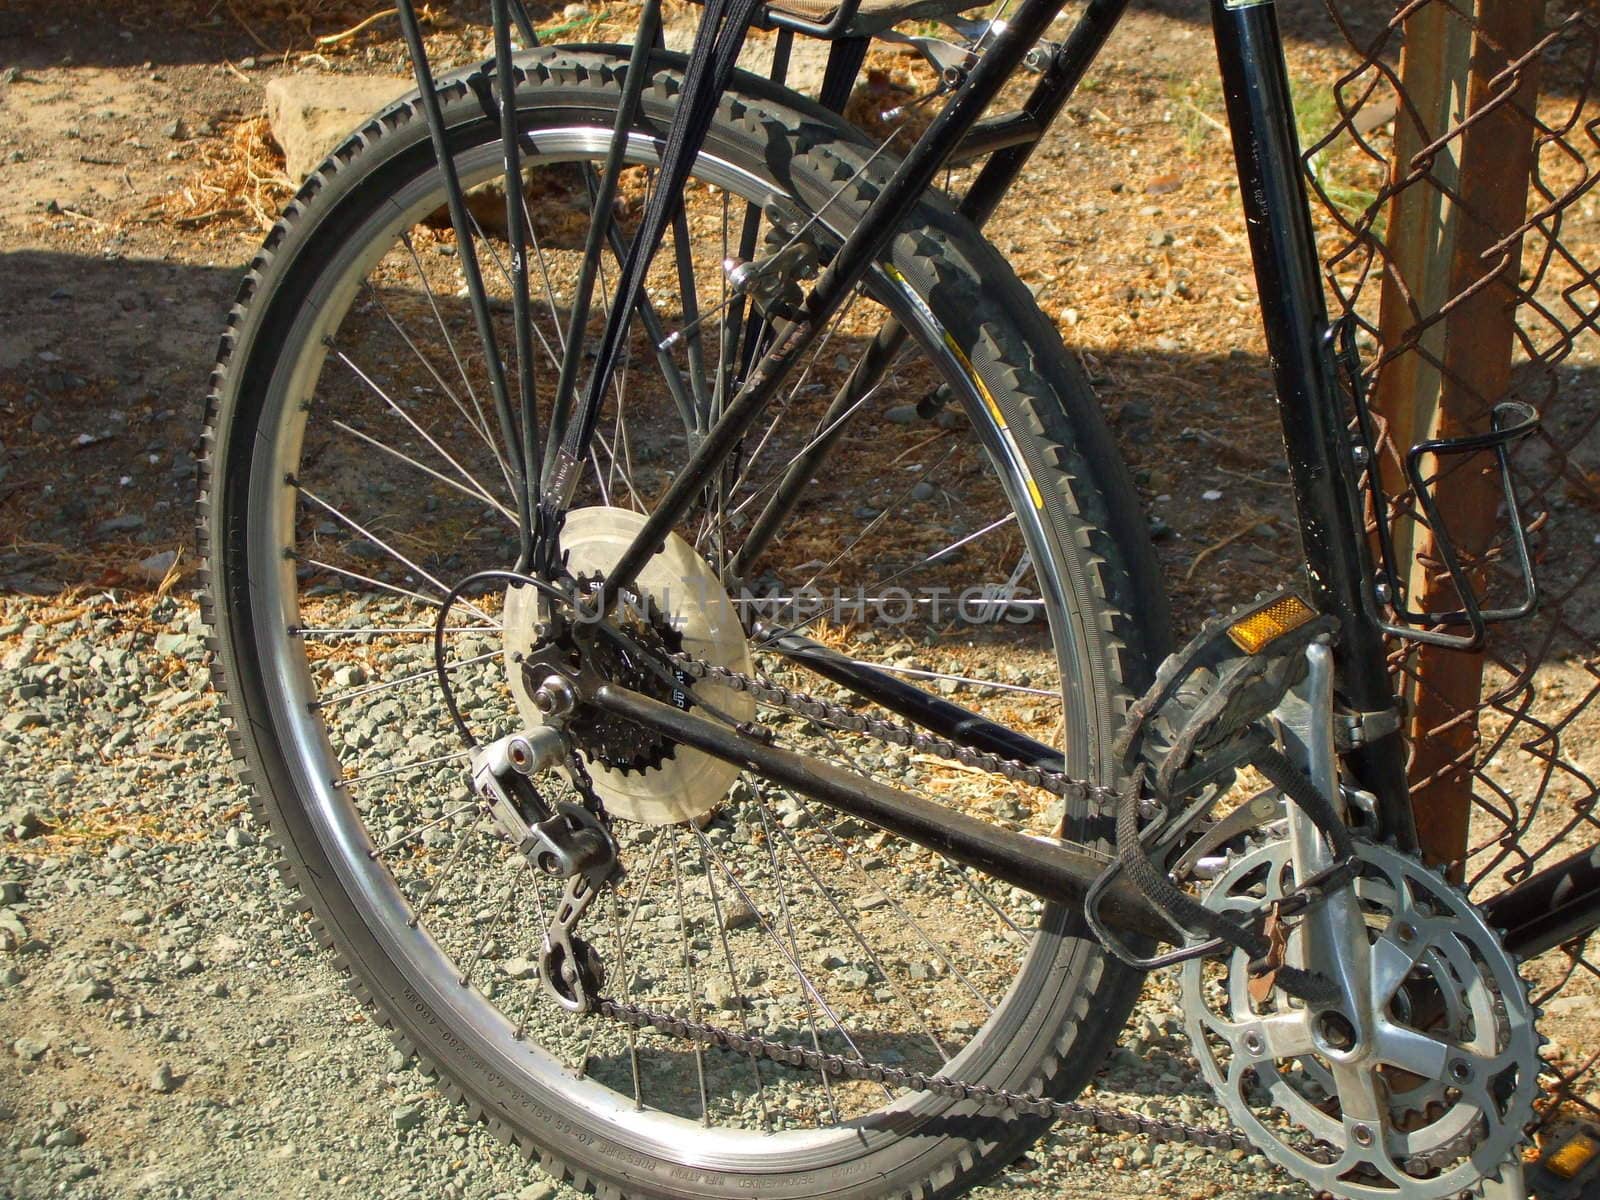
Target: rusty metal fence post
[1468,134]
[1450,289]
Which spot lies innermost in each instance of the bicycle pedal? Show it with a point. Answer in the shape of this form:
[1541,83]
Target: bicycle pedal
[1569,1165]
[1201,716]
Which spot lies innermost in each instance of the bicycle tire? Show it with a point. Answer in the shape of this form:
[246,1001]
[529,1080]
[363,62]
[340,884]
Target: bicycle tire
[1087,511]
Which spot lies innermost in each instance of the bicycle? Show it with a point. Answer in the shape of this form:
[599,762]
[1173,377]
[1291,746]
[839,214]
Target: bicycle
[531,617]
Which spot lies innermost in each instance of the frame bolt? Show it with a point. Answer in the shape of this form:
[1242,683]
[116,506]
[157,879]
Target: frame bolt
[554,697]
[1253,1042]
[1460,1071]
[1362,1134]
[1336,1030]
[1360,455]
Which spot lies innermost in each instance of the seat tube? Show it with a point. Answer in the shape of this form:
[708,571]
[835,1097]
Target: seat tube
[1317,444]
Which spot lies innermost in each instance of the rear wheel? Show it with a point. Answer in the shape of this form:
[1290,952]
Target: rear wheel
[352,477]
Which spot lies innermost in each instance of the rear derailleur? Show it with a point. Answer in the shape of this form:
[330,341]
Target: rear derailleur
[566,841]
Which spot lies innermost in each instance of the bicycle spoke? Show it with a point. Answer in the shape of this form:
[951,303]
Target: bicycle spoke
[402,769]
[475,493]
[476,420]
[409,420]
[860,939]
[355,525]
[440,879]
[690,993]
[338,698]
[413,834]
[739,999]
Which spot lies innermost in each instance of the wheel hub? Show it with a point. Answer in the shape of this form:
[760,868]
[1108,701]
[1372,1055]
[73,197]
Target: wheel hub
[677,605]
[634,650]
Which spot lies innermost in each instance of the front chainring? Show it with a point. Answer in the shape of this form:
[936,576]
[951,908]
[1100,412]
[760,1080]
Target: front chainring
[1434,1100]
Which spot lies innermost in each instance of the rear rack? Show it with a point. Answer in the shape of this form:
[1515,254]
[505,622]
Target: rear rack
[829,20]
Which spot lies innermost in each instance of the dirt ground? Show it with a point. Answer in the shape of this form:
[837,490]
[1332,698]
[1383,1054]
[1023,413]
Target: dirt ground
[136,177]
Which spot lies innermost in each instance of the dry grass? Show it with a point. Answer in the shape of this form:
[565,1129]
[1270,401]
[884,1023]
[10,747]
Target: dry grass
[238,176]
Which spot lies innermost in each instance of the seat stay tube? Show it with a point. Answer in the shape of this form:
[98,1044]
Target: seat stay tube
[914,175]
[1318,448]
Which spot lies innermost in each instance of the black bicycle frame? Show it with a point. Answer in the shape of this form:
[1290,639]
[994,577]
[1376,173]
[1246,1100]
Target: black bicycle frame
[1561,902]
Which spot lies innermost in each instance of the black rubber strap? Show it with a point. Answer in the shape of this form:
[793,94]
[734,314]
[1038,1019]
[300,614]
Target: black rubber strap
[1310,986]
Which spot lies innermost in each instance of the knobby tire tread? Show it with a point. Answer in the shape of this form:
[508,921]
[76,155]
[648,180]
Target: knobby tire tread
[1018,355]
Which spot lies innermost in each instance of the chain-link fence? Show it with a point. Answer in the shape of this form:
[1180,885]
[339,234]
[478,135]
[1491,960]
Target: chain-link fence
[1461,229]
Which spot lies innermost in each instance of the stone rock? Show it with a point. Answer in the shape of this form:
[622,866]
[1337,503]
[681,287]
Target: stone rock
[123,523]
[408,1116]
[857,978]
[737,914]
[162,1079]
[154,568]
[239,839]
[352,675]
[28,822]
[722,995]
[30,1048]
[11,924]
[311,114]
[832,958]
[541,1190]
[520,968]
[94,989]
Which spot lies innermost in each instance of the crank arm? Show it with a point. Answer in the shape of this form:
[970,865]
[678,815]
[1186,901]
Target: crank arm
[1335,937]
[1043,867]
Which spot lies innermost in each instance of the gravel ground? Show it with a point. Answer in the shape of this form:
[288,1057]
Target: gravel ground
[171,1032]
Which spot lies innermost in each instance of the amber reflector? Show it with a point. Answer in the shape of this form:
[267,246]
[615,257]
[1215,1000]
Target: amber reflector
[1574,1156]
[1262,627]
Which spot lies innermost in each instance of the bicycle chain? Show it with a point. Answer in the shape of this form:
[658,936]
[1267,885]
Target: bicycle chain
[1102,1119]
[897,733]
[1105,1120]
[1087,1116]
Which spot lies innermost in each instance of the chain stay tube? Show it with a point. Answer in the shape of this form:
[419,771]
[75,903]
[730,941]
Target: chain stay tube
[1048,868]
[1289,280]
